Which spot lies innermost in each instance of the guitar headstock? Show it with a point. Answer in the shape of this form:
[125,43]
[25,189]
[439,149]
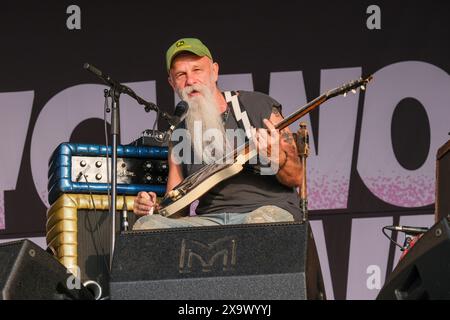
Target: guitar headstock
[351,86]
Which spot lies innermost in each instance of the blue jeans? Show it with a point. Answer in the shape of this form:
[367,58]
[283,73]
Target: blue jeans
[261,215]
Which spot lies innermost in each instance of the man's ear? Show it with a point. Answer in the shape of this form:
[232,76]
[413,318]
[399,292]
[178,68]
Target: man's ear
[169,79]
[215,67]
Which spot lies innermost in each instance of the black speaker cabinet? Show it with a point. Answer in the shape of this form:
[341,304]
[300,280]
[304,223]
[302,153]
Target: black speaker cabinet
[79,229]
[251,261]
[443,182]
[424,272]
[29,272]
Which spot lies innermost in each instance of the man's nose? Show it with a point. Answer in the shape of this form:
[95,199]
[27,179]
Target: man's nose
[190,79]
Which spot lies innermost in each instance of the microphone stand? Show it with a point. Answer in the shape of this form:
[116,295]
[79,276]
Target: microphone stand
[302,142]
[114,92]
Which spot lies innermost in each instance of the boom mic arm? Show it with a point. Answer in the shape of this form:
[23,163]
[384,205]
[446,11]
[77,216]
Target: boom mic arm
[148,106]
[408,229]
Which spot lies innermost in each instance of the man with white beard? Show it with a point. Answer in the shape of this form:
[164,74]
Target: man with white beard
[249,196]
[203,119]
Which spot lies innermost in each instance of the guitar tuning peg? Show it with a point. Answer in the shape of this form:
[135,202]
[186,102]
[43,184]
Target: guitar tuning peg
[345,94]
[363,87]
[354,91]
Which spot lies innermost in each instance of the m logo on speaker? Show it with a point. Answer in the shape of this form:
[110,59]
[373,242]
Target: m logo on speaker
[222,250]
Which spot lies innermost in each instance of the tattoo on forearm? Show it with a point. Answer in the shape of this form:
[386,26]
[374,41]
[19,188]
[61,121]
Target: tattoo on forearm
[287,137]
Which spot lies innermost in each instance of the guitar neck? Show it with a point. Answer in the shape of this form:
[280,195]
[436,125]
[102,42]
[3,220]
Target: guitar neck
[351,86]
[307,109]
[300,113]
[286,121]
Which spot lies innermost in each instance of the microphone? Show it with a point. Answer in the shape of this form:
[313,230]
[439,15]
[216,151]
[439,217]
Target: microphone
[408,229]
[179,114]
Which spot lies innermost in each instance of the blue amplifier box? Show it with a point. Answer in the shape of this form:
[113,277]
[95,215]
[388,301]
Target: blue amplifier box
[83,168]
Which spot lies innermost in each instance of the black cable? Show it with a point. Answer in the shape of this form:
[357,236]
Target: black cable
[90,193]
[97,234]
[156,121]
[154,135]
[401,247]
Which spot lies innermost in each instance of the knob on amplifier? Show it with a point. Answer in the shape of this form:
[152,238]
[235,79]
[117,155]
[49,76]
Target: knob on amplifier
[148,178]
[148,165]
[163,167]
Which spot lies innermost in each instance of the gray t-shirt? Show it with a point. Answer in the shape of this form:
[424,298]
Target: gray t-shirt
[248,190]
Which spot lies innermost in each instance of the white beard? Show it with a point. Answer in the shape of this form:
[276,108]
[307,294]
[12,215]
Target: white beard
[204,124]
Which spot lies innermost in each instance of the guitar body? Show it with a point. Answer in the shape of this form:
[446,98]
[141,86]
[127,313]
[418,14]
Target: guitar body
[172,208]
[185,193]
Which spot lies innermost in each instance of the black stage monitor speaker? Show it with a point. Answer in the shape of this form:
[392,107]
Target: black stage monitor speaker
[443,182]
[29,272]
[424,272]
[251,261]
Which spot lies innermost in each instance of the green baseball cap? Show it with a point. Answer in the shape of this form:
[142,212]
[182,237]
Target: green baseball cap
[186,44]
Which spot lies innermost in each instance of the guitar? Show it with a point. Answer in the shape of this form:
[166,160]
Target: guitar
[198,183]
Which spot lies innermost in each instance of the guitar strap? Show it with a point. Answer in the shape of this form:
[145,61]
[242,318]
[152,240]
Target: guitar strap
[243,121]
[239,113]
